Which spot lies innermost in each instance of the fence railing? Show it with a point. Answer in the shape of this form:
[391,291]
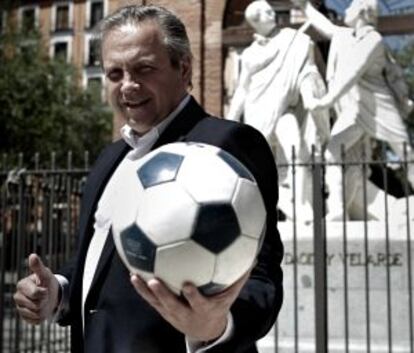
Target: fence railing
[348,272]
[39,212]
[348,281]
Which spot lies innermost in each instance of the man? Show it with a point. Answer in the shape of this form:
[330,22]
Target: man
[146,57]
[278,73]
[367,101]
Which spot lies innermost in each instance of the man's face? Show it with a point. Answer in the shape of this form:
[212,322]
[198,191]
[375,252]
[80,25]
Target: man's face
[143,87]
[264,21]
[266,15]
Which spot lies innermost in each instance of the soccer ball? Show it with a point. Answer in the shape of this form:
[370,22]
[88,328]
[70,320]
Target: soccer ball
[194,214]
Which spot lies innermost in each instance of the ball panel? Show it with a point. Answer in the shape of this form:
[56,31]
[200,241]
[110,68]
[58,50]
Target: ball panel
[211,288]
[139,250]
[161,168]
[233,262]
[167,213]
[175,264]
[206,177]
[237,166]
[250,209]
[216,226]
[125,199]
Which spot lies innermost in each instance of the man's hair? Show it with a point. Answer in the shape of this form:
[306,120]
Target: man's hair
[175,34]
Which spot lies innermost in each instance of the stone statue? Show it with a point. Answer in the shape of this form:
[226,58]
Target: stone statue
[367,93]
[278,73]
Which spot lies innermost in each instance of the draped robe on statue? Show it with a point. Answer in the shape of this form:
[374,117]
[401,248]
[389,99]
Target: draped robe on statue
[275,89]
[370,103]
[279,68]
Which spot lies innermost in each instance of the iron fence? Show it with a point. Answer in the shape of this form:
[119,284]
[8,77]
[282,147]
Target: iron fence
[39,211]
[348,281]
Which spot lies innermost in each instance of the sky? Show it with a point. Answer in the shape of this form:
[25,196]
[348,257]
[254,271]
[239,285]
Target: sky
[386,6]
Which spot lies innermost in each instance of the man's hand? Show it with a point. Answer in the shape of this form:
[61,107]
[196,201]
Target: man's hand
[317,104]
[37,295]
[200,318]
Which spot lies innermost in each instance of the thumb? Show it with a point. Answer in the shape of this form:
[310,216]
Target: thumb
[39,269]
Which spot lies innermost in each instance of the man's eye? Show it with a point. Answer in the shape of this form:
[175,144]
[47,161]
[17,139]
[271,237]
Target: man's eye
[114,75]
[145,69]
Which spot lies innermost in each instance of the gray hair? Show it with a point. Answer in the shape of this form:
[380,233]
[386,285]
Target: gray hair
[175,34]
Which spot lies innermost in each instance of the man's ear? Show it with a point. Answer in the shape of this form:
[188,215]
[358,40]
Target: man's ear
[186,68]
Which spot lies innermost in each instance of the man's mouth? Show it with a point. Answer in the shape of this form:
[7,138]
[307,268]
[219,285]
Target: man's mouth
[135,105]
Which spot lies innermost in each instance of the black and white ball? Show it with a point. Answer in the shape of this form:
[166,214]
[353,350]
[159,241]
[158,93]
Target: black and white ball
[193,213]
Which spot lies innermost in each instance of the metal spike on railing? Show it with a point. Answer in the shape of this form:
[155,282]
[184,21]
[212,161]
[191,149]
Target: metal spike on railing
[20,160]
[36,160]
[319,250]
[4,161]
[69,160]
[53,160]
[86,160]
[409,247]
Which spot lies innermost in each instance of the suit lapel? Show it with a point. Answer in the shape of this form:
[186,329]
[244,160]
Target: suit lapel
[191,114]
[97,180]
[104,259]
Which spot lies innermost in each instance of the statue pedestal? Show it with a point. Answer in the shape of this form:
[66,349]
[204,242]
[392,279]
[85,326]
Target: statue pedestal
[377,282]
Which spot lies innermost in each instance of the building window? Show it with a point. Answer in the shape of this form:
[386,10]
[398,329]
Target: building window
[3,24]
[92,57]
[29,18]
[96,10]
[61,47]
[95,86]
[2,21]
[61,51]
[96,13]
[93,81]
[62,17]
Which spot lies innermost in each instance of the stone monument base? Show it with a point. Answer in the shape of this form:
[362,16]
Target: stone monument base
[367,288]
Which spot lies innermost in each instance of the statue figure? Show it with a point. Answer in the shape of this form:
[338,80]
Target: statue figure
[278,73]
[368,95]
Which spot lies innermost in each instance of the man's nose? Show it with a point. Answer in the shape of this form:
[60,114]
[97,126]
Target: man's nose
[129,83]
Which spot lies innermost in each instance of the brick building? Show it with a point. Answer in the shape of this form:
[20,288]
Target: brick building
[215,27]
[66,26]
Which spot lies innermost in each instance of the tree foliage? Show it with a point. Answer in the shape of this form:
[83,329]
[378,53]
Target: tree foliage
[42,106]
[405,58]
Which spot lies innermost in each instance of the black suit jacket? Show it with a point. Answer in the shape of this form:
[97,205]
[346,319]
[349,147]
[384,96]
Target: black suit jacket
[117,319]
